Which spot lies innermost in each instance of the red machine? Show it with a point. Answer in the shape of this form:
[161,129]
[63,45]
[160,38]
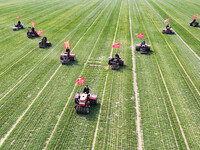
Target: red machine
[83,102]
[66,58]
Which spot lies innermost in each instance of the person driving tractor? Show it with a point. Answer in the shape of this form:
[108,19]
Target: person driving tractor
[117,56]
[143,42]
[33,29]
[19,23]
[68,50]
[86,90]
[167,27]
[44,40]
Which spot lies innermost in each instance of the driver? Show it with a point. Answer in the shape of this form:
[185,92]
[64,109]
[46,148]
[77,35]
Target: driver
[168,27]
[117,56]
[143,42]
[86,90]
[44,40]
[68,50]
[19,23]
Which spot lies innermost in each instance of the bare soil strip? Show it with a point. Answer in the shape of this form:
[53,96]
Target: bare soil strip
[135,87]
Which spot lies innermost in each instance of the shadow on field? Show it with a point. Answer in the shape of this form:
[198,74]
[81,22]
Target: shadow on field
[71,63]
[149,53]
[93,114]
[121,68]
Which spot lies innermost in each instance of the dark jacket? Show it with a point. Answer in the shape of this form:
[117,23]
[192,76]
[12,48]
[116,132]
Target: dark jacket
[86,90]
[33,30]
[44,39]
[19,23]
[117,56]
[68,51]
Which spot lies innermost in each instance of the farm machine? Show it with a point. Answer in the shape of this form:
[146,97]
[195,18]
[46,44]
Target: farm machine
[32,33]
[44,43]
[83,102]
[18,26]
[168,30]
[194,23]
[143,49]
[115,63]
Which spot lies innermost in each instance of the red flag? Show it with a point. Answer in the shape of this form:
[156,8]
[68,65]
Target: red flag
[166,21]
[140,35]
[80,80]
[33,24]
[116,45]
[39,32]
[67,45]
[18,17]
[195,16]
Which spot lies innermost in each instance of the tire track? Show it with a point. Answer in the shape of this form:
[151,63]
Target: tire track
[135,87]
[169,96]
[175,32]
[44,58]
[60,116]
[99,115]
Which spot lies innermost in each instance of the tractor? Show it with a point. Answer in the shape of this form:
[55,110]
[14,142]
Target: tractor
[83,102]
[168,30]
[115,63]
[143,49]
[44,43]
[32,33]
[67,57]
[18,26]
[194,23]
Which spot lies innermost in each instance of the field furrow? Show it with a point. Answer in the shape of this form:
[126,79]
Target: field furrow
[152,102]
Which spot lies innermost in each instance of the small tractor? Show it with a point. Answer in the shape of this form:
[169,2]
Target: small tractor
[44,44]
[83,102]
[143,49]
[168,30]
[66,58]
[32,33]
[115,63]
[194,23]
[18,26]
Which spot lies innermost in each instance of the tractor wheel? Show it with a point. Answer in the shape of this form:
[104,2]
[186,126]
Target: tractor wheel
[87,110]
[77,108]
[148,47]
[96,102]
[121,63]
[137,47]
[91,102]
[163,31]
[81,110]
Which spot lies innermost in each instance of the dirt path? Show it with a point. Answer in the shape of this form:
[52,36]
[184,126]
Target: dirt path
[137,100]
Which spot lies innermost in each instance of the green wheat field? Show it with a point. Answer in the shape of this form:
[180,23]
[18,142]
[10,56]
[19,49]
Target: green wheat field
[152,103]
